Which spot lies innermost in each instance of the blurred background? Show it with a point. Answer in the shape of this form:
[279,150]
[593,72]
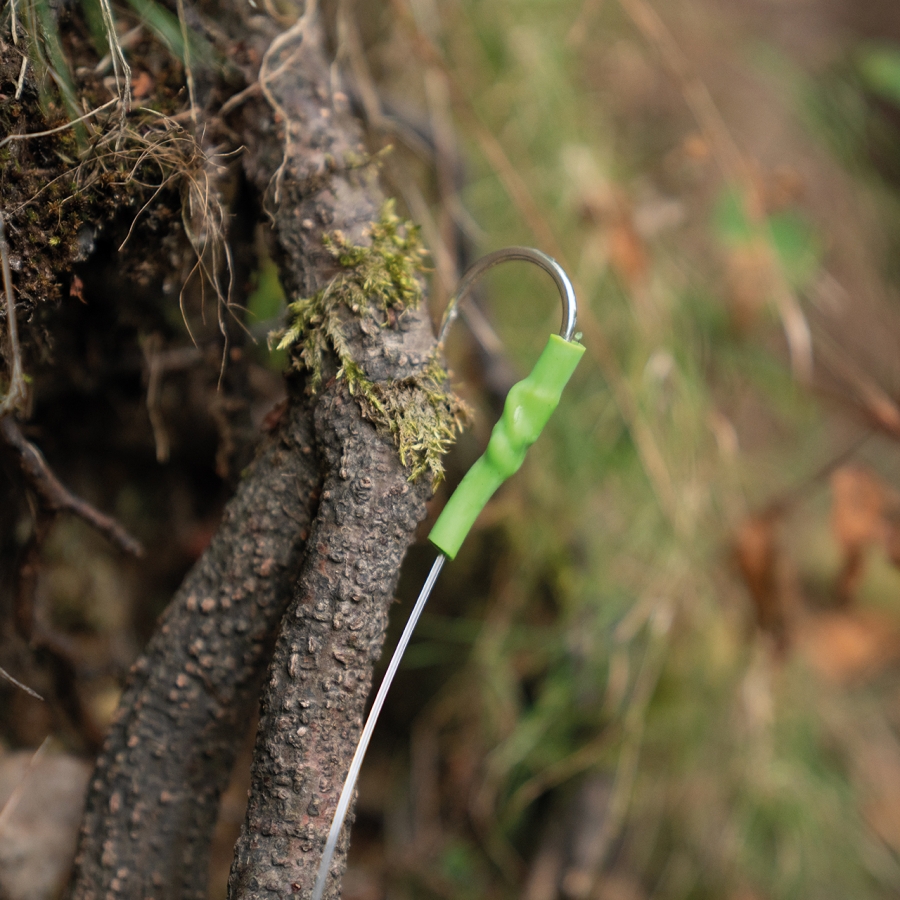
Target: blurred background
[666,663]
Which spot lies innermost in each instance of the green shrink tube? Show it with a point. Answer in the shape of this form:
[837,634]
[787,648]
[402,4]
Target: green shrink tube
[528,407]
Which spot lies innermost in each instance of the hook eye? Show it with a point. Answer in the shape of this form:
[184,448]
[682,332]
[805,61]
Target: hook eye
[527,254]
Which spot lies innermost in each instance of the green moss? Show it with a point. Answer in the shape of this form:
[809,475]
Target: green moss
[353,160]
[422,415]
[384,276]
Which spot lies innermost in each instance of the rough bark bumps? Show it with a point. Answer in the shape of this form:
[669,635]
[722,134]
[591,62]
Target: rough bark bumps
[154,796]
[321,672]
[328,499]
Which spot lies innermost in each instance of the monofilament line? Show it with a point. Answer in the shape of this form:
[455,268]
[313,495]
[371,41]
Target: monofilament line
[350,782]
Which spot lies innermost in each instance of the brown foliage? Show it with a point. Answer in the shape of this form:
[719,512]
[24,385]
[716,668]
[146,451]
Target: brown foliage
[862,515]
[759,559]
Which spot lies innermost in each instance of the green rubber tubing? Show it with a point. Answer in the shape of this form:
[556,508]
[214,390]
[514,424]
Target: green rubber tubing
[528,407]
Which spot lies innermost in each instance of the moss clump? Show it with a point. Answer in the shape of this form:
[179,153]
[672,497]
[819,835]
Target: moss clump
[383,276]
[422,415]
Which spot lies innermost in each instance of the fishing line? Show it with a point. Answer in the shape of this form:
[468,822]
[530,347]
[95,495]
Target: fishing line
[528,406]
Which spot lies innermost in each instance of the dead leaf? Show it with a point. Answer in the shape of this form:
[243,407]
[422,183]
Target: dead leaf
[141,85]
[610,212]
[858,503]
[857,522]
[696,147]
[849,646]
[627,254]
[784,188]
[750,284]
[76,289]
[759,559]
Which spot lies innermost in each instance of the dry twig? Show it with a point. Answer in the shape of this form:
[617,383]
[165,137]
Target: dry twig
[18,684]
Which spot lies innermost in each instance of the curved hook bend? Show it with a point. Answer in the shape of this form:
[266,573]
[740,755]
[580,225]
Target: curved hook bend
[527,254]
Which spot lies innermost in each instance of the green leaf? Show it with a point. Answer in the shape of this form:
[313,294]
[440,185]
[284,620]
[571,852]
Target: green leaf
[792,237]
[798,247]
[94,17]
[730,220]
[167,28]
[267,300]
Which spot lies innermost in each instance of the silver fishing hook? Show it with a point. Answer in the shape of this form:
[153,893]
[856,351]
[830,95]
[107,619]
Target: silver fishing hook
[527,254]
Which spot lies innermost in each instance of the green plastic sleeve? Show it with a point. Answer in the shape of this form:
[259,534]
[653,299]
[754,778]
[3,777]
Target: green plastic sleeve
[528,406]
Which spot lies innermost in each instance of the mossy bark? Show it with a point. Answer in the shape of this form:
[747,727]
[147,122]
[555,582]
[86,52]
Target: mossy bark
[330,638]
[154,795]
[321,673]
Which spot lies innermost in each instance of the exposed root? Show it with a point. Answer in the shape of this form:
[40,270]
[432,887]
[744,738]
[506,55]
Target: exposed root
[151,348]
[20,82]
[14,22]
[17,390]
[151,155]
[157,363]
[121,158]
[55,497]
[267,75]
[65,127]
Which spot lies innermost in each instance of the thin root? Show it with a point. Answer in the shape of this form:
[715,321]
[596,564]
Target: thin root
[17,388]
[267,75]
[67,125]
[20,84]
[55,496]
[18,684]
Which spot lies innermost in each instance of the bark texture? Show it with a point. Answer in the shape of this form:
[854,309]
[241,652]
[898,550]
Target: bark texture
[154,796]
[321,672]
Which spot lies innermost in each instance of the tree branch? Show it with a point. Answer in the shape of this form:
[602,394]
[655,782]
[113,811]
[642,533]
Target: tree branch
[54,496]
[321,672]
[154,797]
